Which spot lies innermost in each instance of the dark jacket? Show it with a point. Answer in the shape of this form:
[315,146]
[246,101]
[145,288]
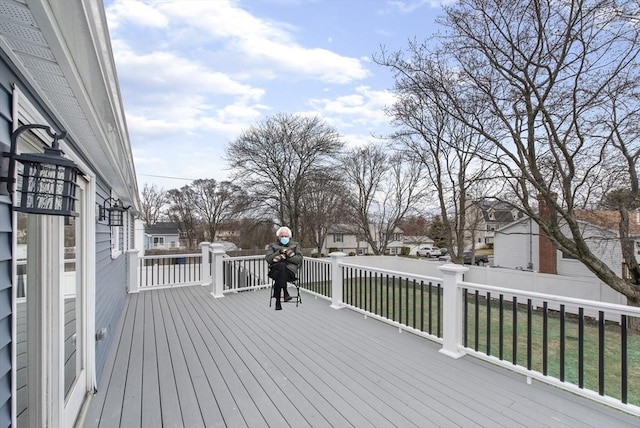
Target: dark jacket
[293,263]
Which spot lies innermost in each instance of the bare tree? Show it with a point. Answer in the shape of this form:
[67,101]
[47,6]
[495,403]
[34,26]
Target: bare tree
[181,212]
[556,92]
[323,205]
[255,233]
[446,150]
[384,189]
[214,203]
[276,161]
[152,202]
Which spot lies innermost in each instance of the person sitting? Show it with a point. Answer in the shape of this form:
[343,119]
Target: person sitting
[284,258]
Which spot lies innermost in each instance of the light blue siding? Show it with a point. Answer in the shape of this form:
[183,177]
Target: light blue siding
[5,311]
[6,234]
[111,288]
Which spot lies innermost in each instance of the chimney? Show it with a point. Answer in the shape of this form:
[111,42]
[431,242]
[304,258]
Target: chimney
[547,252]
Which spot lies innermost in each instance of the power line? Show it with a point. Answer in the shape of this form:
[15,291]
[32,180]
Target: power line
[166,176]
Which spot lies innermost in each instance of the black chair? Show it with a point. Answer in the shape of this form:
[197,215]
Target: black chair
[295,298]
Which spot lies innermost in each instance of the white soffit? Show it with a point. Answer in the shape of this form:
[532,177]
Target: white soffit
[60,85]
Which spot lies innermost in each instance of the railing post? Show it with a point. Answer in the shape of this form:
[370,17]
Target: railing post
[205,268]
[451,309]
[336,280]
[217,281]
[134,271]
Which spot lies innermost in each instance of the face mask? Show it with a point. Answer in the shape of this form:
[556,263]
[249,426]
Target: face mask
[284,240]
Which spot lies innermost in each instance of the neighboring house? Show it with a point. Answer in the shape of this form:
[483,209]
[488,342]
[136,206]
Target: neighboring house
[519,245]
[162,236]
[342,237]
[483,218]
[62,278]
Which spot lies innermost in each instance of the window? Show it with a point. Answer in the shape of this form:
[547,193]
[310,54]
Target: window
[158,241]
[567,256]
[338,237]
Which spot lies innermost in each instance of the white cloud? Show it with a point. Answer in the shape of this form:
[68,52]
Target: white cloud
[222,19]
[135,12]
[411,6]
[365,106]
[169,70]
[225,27]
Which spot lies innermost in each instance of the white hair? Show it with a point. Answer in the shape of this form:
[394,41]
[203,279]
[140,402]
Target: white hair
[283,229]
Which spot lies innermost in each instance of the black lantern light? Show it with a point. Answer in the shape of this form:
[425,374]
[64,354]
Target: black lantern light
[47,182]
[113,210]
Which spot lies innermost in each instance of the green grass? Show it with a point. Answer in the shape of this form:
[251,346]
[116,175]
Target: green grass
[612,349]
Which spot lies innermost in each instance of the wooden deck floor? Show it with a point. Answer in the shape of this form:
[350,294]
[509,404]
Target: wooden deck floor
[185,359]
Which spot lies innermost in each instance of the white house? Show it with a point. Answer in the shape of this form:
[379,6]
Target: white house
[518,245]
[342,237]
[162,236]
[483,218]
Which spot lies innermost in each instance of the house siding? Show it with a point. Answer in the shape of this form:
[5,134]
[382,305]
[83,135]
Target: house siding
[517,245]
[111,287]
[5,310]
[6,252]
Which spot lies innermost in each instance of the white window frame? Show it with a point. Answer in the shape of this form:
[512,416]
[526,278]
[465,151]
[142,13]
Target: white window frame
[51,406]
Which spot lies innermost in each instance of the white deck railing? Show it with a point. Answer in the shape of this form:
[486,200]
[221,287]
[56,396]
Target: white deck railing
[462,316]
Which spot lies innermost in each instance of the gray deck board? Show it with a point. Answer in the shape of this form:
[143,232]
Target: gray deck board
[117,378]
[150,375]
[131,409]
[186,359]
[169,401]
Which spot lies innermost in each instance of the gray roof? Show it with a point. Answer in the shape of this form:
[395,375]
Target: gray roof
[162,229]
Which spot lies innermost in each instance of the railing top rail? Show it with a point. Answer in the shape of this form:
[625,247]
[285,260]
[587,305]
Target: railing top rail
[170,256]
[261,256]
[591,304]
[257,257]
[394,272]
[325,261]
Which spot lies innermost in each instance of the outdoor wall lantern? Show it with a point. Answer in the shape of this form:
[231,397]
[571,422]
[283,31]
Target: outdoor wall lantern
[47,182]
[113,210]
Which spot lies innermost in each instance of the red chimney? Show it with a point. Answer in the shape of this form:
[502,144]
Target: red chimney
[547,252]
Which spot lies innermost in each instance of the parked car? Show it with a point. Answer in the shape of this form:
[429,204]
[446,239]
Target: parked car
[428,252]
[480,259]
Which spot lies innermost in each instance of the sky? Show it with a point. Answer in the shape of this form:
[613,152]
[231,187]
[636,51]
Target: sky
[194,74]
